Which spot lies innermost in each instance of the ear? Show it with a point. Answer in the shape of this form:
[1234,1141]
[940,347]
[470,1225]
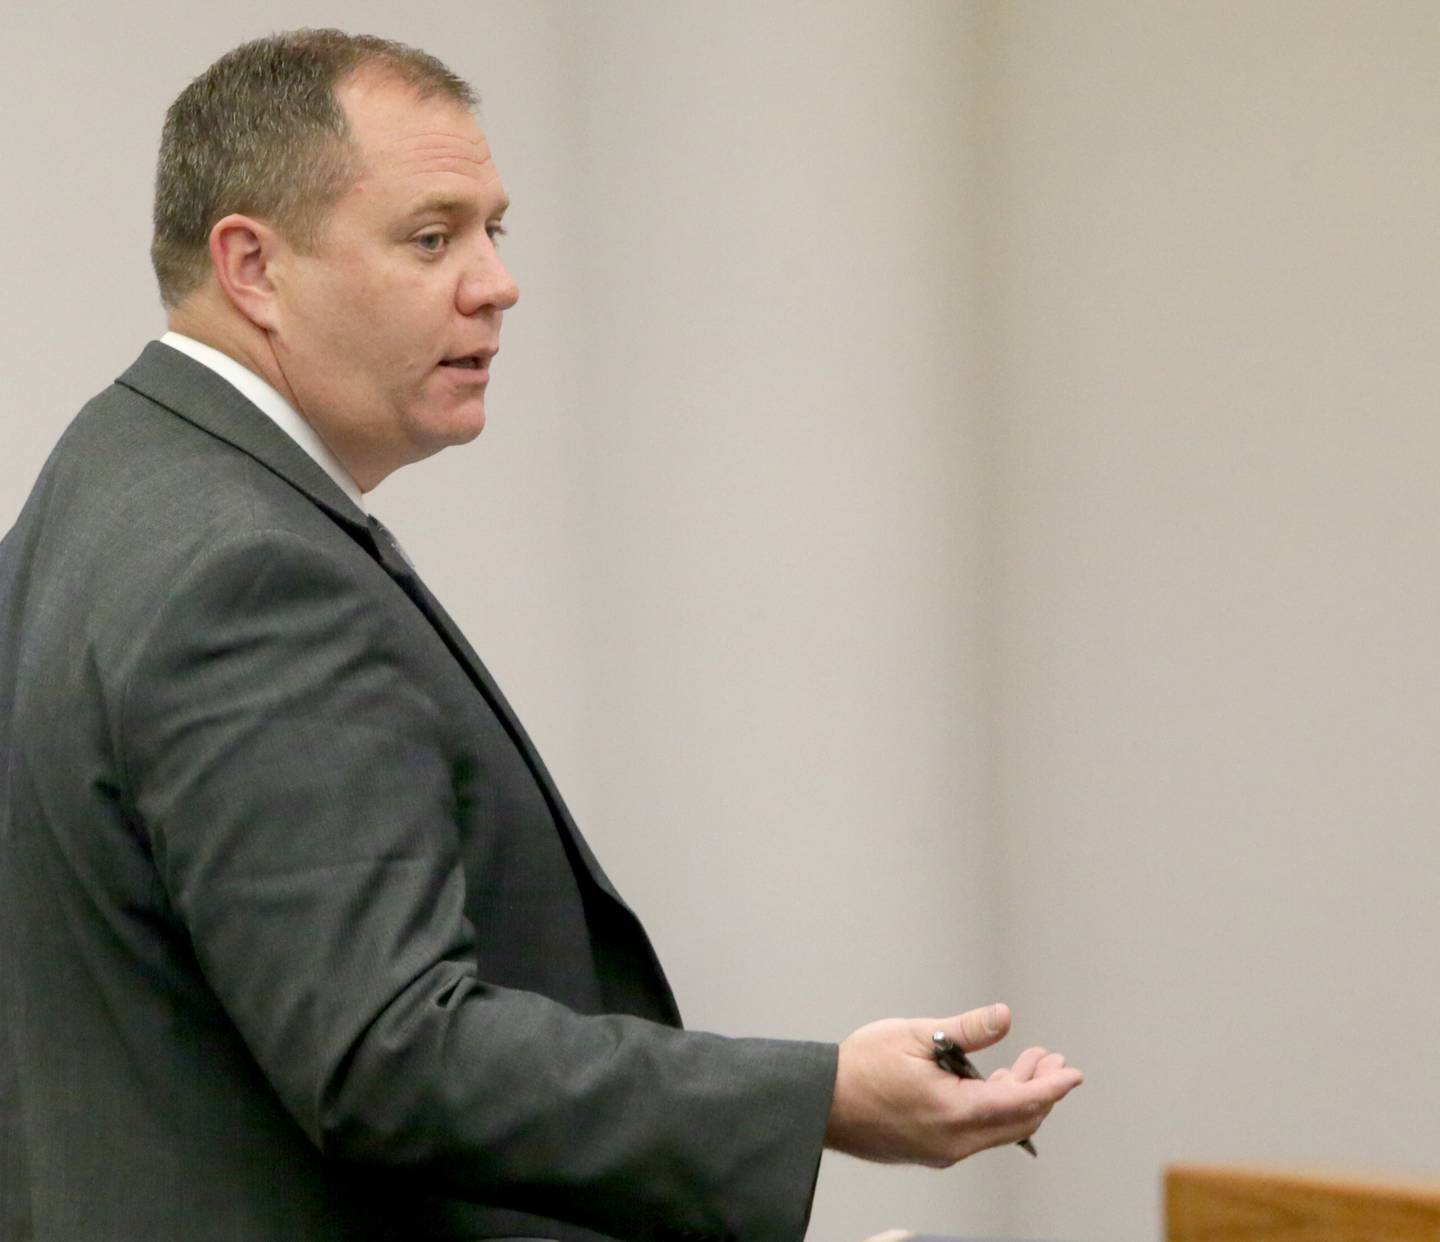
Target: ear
[242,251]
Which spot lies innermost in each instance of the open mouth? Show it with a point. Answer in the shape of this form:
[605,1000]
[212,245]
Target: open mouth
[470,362]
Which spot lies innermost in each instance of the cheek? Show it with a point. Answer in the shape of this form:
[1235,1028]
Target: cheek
[384,322]
[414,319]
[333,314]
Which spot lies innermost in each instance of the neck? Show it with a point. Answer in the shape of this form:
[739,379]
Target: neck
[235,336]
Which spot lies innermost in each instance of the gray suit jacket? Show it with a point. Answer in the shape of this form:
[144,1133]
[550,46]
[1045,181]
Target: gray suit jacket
[297,938]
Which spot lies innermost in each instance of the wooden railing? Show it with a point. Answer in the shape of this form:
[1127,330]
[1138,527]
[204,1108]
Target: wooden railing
[1219,1203]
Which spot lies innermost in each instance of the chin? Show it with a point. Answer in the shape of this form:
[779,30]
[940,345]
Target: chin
[458,427]
[469,430]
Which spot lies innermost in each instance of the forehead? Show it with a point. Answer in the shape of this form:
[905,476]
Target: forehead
[410,146]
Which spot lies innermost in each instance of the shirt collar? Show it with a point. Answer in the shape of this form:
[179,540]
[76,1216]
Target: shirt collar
[272,405]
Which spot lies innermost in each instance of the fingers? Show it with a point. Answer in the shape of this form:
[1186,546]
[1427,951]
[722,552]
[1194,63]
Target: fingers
[1004,1110]
[1022,1107]
[892,1103]
[979,1028]
[1064,1082]
[1025,1064]
[1048,1089]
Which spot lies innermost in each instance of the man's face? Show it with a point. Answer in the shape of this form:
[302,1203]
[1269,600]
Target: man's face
[385,334]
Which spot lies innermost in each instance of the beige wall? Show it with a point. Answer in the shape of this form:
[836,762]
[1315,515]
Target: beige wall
[1210,316]
[958,515]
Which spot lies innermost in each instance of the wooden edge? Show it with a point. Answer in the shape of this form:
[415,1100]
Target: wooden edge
[1257,1203]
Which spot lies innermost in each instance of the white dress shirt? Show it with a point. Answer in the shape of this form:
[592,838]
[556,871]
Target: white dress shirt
[273,405]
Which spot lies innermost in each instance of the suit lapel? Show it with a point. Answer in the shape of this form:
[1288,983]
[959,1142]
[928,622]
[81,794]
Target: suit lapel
[394,563]
[200,396]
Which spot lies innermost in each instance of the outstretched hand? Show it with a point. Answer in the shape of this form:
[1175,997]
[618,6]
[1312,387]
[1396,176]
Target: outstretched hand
[894,1104]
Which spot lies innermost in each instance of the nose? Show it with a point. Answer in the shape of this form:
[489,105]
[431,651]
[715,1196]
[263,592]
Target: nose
[486,283]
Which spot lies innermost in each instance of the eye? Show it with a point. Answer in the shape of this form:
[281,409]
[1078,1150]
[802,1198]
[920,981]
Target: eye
[495,232]
[433,243]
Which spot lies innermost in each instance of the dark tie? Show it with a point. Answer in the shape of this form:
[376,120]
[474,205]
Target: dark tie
[389,547]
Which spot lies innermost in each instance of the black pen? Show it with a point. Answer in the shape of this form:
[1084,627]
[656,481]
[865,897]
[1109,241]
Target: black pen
[949,1057]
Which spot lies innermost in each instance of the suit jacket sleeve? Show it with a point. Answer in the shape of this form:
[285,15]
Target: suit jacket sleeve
[294,783]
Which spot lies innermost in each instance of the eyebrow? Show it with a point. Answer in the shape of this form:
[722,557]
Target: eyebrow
[450,205]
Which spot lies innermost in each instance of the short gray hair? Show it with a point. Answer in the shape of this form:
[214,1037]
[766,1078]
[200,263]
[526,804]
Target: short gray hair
[261,132]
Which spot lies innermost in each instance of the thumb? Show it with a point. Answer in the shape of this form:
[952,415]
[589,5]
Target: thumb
[979,1028]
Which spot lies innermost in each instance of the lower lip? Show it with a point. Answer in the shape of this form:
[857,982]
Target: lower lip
[475,375]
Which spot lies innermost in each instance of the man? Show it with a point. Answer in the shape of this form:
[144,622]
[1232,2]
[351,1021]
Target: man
[299,940]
